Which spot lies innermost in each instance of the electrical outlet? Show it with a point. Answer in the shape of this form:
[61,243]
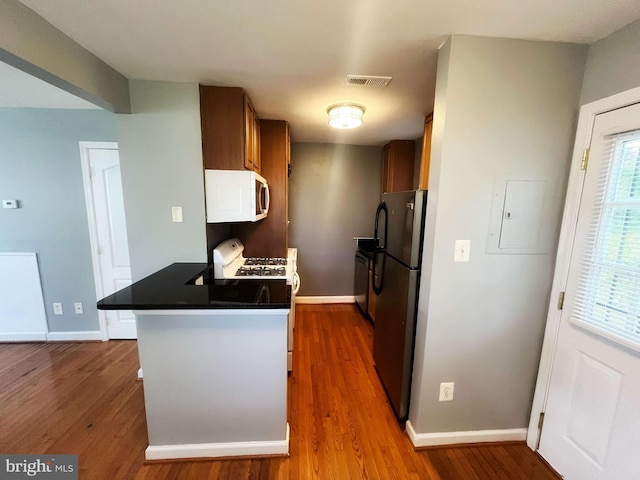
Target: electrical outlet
[446,392]
[57,309]
[461,252]
[176,214]
[77,307]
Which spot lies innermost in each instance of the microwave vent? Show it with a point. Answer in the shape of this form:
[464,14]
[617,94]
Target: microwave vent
[368,81]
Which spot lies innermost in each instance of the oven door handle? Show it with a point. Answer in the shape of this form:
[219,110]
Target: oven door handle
[267,199]
[296,283]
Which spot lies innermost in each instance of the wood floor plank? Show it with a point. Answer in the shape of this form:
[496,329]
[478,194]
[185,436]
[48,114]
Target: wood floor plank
[84,398]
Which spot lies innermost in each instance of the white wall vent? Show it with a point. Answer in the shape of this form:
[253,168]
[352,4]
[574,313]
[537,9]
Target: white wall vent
[368,81]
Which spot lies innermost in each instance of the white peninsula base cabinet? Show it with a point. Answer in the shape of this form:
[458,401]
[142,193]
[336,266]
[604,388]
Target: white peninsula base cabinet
[215,382]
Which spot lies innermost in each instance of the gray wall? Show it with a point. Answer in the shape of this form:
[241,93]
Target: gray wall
[334,190]
[613,64]
[32,44]
[502,107]
[40,166]
[161,163]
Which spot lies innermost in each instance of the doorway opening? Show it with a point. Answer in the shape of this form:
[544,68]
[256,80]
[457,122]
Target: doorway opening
[108,233]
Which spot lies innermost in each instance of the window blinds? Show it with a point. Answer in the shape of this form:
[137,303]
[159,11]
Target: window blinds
[607,299]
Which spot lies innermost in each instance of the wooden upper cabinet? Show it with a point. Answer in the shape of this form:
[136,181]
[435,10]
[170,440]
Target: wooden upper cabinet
[252,137]
[249,126]
[398,157]
[257,157]
[230,129]
[287,155]
[288,143]
[425,160]
[387,174]
[269,237]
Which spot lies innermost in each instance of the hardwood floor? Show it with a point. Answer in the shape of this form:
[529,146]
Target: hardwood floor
[84,398]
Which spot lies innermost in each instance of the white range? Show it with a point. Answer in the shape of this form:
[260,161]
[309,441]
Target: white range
[229,263]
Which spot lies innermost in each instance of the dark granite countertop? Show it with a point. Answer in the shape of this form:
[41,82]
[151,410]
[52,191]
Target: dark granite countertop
[173,288]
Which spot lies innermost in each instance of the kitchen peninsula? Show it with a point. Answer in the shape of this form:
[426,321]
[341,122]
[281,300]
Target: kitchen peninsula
[214,356]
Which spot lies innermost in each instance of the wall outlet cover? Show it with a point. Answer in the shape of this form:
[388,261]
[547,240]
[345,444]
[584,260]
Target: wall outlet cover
[446,391]
[176,214]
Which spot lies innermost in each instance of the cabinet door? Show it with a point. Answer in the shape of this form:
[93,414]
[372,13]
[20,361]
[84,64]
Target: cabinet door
[249,127]
[402,159]
[222,113]
[397,166]
[426,153]
[257,158]
[287,135]
[287,155]
[387,172]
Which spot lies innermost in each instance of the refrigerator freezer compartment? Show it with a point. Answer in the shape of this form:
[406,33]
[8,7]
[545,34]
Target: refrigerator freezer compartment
[394,331]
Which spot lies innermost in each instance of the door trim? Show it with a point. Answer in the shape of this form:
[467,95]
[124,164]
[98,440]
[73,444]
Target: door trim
[584,132]
[91,223]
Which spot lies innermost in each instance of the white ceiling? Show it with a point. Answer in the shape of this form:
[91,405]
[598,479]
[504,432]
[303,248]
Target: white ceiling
[292,56]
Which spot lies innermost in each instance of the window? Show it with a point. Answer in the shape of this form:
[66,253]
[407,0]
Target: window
[608,290]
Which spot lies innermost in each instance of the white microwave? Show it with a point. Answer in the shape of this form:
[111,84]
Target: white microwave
[235,196]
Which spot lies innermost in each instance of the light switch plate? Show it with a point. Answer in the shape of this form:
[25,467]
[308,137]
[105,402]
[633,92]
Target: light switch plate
[176,214]
[461,253]
[9,203]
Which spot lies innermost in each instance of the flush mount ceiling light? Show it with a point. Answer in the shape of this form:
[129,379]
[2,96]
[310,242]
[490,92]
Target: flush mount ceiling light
[345,115]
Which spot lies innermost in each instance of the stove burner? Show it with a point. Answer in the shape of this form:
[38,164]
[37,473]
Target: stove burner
[265,261]
[249,272]
[255,261]
[276,261]
[274,272]
[259,271]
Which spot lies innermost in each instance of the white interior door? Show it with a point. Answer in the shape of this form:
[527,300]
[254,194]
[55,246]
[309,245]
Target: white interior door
[592,419]
[107,216]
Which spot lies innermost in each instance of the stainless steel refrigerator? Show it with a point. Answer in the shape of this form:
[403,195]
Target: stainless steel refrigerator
[399,228]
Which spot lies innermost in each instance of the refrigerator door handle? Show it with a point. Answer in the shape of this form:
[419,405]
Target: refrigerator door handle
[381,208]
[377,289]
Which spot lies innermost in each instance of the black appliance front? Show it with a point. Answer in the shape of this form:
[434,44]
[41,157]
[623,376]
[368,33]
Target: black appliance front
[394,331]
[399,226]
[361,281]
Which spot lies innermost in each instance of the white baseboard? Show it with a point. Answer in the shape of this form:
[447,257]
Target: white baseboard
[472,436]
[322,299]
[140,374]
[74,336]
[23,337]
[210,450]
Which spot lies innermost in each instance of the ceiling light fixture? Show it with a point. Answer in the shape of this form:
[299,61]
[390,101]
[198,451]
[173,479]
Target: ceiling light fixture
[345,115]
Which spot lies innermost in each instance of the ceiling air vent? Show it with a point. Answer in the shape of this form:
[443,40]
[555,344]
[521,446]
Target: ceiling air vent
[368,81]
